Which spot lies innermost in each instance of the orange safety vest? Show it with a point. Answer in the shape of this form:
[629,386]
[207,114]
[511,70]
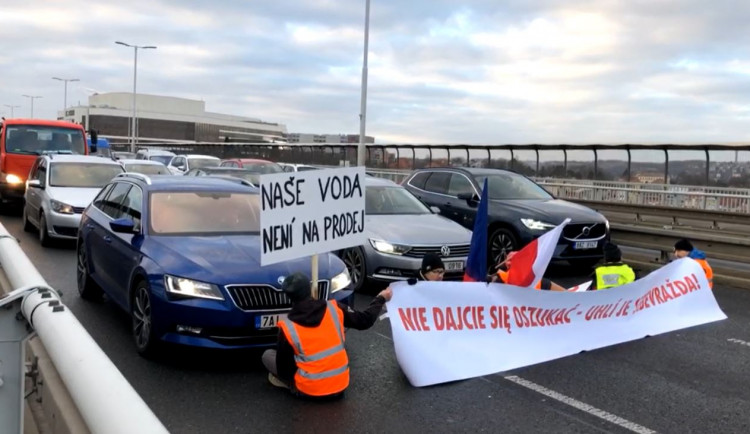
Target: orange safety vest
[708,270]
[322,363]
[504,277]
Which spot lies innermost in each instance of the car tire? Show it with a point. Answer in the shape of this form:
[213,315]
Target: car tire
[354,260]
[586,264]
[27,226]
[501,242]
[142,321]
[44,238]
[87,288]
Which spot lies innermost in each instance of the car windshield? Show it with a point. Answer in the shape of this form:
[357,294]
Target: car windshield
[36,139]
[163,159]
[147,169]
[262,167]
[82,175]
[182,213]
[203,162]
[392,200]
[506,186]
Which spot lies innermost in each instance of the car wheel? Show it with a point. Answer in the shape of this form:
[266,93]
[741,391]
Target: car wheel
[502,241]
[27,226]
[87,288]
[354,259]
[140,310]
[44,238]
[586,264]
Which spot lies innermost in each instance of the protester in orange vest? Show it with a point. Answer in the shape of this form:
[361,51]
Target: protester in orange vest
[310,358]
[684,248]
[502,276]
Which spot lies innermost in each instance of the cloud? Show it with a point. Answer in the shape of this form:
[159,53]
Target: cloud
[475,71]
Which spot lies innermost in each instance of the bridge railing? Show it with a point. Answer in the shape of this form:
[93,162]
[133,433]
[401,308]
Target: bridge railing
[101,394]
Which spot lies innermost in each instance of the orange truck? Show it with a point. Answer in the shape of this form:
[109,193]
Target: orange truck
[23,140]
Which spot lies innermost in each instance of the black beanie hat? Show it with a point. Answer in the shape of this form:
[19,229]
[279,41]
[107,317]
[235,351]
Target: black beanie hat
[297,287]
[431,262]
[612,253]
[684,244]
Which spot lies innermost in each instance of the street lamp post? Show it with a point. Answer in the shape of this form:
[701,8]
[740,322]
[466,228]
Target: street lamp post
[134,133]
[32,98]
[65,100]
[11,107]
[361,149]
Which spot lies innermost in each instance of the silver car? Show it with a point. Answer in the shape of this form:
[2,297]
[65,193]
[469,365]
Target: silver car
[400,231]
[146,167]
[59,188]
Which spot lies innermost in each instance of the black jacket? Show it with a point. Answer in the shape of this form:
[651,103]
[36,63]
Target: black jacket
[310,313]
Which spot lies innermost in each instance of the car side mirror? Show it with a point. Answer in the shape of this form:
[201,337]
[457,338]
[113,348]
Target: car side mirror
[123,226]
[470,198]
[34,183]
[435,210]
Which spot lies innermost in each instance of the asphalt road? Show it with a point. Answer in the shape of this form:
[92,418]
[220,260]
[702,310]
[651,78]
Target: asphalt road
[694,380]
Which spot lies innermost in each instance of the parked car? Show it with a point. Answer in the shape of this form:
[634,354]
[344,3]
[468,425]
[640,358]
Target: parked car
[159,155]
[147,167]
[59,188]
[519,211]
[184,278]
[180,164]
[400,231]
[296,167]
[253,165]
[252,178]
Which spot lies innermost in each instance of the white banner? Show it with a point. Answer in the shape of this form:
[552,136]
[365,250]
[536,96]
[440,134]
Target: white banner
[447,331]
[305,213]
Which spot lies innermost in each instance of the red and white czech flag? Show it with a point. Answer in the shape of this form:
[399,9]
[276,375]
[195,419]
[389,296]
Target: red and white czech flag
[530,263]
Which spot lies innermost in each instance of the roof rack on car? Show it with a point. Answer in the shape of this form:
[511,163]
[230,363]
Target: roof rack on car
[140,176]
[233,179]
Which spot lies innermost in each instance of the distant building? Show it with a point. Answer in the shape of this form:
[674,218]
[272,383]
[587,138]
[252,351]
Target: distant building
[168,119]
[326,138]
[648,178]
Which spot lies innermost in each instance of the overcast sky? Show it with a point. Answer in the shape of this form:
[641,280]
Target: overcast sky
[441,71]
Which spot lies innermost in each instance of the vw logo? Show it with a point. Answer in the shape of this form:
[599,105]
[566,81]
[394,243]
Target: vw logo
[445,251]
[281,279]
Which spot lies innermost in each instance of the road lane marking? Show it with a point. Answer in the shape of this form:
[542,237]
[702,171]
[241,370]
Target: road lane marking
[601,414]
[739,341]
[609,417]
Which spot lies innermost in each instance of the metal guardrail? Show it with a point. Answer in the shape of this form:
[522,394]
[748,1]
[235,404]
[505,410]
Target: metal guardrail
[104,398]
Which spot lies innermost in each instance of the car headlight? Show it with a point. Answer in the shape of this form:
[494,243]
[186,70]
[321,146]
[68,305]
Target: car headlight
[606,222]
[536,225]
[386,247]
[13,179]
[192,288]
[61,207]
[340,281]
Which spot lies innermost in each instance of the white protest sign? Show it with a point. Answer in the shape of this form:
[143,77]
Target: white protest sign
[306,213]
[445,331]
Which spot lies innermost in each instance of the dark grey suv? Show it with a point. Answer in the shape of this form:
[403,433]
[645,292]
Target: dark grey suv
[519,211]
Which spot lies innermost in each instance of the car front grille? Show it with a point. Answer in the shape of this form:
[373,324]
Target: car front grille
[78,209]
[576,231]
[263,297]
[456,251]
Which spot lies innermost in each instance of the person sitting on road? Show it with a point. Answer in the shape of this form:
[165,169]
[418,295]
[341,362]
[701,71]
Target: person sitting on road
[684,248]
[502,276]
[613,272]
[310,358]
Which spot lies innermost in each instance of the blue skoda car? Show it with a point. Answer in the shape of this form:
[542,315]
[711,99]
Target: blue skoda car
[182,256]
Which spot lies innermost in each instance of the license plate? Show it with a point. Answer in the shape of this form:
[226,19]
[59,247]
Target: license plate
[454,266]
[268,321]
[583,245]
